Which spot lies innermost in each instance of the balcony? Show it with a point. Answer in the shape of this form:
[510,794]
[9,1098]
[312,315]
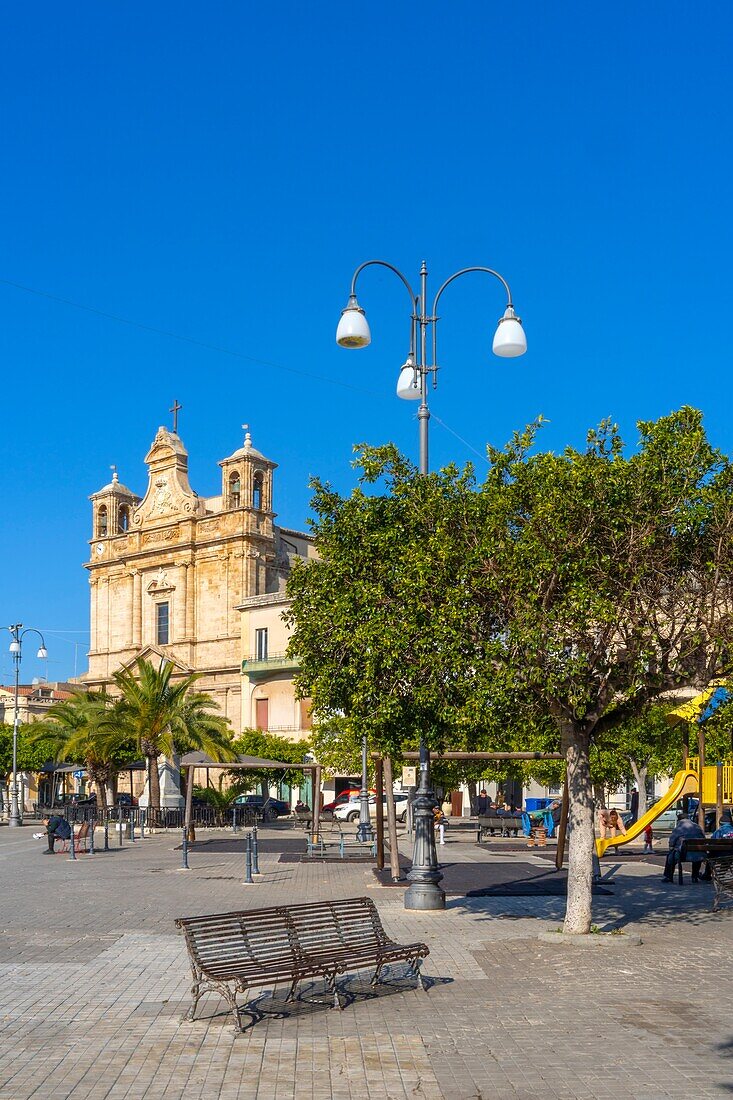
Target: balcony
[265,666]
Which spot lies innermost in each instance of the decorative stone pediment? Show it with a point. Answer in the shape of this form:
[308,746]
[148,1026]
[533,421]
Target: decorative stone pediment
[169,495]
[160,583]
[158,653]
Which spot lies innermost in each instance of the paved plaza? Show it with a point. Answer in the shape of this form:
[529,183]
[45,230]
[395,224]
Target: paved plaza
[95,980]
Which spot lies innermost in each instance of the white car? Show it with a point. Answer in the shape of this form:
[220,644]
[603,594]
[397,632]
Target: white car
[350,810]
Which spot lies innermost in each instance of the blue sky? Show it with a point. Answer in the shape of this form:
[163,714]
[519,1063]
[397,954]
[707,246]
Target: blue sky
[218,171]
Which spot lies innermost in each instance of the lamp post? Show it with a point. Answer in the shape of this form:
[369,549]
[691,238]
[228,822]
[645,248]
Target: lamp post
[364,832]
[16,649]
[412,385]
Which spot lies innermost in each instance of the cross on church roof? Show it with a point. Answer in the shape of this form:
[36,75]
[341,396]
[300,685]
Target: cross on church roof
[175,408]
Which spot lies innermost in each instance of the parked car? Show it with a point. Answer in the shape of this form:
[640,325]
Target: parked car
[270,807]
[343,798]
[350,810]
[668,819]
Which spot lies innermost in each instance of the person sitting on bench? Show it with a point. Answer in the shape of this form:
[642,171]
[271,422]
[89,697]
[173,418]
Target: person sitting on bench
[725,829]
[686,829]
[56,826]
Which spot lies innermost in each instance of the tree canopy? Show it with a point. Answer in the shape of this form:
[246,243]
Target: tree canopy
[552,603]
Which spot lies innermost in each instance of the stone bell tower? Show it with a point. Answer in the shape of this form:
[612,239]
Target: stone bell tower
[112,508]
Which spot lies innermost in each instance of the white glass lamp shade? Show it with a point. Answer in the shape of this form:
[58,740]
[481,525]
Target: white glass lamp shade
[509,338]
[42,653]
[353,328]
[15,647]
[408,383]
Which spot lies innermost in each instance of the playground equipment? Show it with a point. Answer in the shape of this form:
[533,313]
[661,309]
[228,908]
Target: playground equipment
[717,790]
[684,782]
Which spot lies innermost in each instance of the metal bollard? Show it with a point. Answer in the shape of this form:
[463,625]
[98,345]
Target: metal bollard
[106,832]
[71,842]
[184,849]
[248,880]
[132,825]
[234,819]
[142,824]
[255,857]
[92,823]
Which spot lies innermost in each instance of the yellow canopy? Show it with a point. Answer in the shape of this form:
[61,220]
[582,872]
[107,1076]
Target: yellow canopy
[691,710]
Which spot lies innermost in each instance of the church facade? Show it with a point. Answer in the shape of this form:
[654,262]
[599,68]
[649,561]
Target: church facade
[170,571]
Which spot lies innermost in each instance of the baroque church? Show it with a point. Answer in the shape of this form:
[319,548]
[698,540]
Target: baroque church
[174,576]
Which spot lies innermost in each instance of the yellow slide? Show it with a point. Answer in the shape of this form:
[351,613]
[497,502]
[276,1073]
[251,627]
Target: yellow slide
[684,782]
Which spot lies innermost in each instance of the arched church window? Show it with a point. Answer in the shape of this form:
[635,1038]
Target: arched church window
[123,519]
[102,521]
[257,491]
[235,491]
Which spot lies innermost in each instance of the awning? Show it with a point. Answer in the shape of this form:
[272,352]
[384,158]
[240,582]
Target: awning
[60,769]
[702,706]
[201,760]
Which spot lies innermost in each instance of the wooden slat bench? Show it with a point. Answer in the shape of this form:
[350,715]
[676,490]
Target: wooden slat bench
[489,823]
[233,952]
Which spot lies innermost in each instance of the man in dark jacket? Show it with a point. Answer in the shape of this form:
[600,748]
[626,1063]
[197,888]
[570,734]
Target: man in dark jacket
[482,803]
[685,830]
[56,826]
[634,806]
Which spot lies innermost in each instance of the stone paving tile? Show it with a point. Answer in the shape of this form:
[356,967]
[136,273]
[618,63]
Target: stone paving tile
[93,984]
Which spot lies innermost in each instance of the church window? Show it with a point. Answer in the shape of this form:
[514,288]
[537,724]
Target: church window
[257,491]
[102,521]
[161,623]
[123,519]
[261,644]
[235,491]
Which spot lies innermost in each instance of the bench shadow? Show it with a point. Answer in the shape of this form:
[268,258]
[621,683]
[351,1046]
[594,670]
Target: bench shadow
[313,997]
[726,1050]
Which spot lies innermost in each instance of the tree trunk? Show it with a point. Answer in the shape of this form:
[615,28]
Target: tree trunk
[599,795]
[578,912]
[640,773]
[153,783]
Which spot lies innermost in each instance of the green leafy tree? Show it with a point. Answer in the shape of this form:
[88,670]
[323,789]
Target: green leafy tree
[76,729]
[381,618]
[603,580]
[161,715]
[269,746]
[552,604]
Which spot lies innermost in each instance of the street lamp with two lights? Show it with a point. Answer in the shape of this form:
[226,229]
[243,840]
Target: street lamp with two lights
[16,649]
[412,385]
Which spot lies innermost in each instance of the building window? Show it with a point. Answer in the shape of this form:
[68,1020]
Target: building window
[162,623]
[261,644]
[262,715]
[257,491]
[306,721]
[102,521]
[235,491]
[123,519]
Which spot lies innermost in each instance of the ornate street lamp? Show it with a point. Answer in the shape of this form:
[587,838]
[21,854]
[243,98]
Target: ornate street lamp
[16,649]
[508,343]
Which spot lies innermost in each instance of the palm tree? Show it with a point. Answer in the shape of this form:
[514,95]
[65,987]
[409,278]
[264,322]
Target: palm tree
[74,730]
[162,716]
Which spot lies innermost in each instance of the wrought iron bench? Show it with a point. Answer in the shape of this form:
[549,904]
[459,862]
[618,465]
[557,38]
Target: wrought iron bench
[719,856]
[231,953]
